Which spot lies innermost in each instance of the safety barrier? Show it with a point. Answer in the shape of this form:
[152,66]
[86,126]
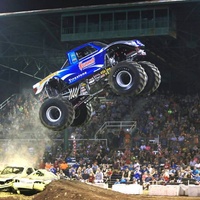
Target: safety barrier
[164,190]
[193,190]
[128,188]
[175,190]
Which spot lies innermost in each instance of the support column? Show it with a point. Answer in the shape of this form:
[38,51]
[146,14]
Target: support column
[66,141]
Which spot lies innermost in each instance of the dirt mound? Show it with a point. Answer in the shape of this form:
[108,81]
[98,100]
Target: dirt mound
[75,190]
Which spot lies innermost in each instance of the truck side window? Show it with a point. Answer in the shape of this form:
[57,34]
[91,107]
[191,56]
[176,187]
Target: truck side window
[85,51]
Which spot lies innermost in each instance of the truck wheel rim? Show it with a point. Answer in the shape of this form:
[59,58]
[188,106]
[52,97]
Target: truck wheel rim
[124,79]
[53,113]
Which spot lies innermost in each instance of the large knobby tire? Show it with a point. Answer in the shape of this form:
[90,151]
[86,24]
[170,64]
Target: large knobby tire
[127,78]
[83,115]
[56,114]
[154,77]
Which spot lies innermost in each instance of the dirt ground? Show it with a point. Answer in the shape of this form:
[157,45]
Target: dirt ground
[74,190]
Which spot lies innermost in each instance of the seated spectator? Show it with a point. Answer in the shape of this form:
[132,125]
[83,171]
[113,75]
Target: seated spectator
[53,169]
[116,165]
[126,176]
[98,158]
[149,169]
[197,165]
[197,178]
[136,165]
[107,174]
[131,166]
[166,177]
[98,176]
[144,176]
[181,138]
[76,165]
[147,182]
[137,174]
[89,169]
[156,177]
[134,181]
[117,181]
[74,176]
[63,166]
[172,173]
[173,136]
[85,176]
[48,165]
[60,173]
[95,166]
[143,147]
[91,177]
[193,162]
[115,175]
[72,172]
[173,165]
[195,171]
[167,164]
[79,173]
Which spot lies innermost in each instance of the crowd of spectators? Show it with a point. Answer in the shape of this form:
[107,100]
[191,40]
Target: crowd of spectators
[164,147]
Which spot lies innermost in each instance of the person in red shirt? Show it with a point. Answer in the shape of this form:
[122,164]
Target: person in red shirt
[91,177]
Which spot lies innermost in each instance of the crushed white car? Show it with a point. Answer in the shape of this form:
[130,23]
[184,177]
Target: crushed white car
[36,181]
[9,173]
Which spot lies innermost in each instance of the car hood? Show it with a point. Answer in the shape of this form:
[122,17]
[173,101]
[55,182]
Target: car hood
[7,176]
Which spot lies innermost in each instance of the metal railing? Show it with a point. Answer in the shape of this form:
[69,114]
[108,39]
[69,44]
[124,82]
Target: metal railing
[89,140]
[116,126]
[4,103]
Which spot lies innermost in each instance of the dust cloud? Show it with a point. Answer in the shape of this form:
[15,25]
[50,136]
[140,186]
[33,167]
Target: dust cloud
[24,138]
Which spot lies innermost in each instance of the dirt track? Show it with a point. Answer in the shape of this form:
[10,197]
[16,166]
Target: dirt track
[74,190]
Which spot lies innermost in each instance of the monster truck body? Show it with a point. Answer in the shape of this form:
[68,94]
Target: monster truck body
[88,70]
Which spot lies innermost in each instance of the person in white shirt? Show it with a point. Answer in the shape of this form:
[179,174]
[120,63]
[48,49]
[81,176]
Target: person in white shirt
[98,176]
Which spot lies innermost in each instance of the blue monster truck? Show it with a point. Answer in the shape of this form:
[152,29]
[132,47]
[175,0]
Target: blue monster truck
[89,70]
